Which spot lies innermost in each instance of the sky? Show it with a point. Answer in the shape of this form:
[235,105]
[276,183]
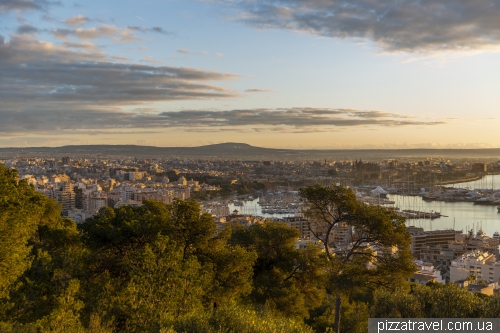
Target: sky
[284,74]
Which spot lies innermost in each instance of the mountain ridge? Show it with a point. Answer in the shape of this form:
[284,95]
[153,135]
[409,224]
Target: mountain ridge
[236,150]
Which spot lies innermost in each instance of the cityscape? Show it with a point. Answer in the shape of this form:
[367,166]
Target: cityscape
[248,166]
[251,191]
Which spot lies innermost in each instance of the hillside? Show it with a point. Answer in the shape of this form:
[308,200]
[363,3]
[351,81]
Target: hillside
[245,152]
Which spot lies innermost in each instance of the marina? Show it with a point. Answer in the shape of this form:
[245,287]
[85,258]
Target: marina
[429,214]
[458,215]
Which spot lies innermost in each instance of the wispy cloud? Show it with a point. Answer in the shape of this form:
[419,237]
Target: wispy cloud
[24,5]
[158,30]
[77,20]
[72,116]
[122,35]
[258,90]
[290,117]
[395,26]
[83,45]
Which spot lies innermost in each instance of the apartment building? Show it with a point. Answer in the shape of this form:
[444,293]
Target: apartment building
[482,264]
[444,254]
[420,238]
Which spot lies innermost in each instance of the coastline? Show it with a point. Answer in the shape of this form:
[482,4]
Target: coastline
[465,180]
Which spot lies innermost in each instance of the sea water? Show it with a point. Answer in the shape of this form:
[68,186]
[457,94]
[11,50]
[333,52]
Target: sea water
[463,216]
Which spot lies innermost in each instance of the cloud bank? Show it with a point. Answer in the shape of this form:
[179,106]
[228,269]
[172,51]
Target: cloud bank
[393,25]
[36,119]
[35,71]
[24,5]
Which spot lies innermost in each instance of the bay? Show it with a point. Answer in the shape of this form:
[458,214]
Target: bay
[459,215]
[456,215]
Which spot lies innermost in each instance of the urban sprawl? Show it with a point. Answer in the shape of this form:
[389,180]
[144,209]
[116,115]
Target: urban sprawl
[84,185]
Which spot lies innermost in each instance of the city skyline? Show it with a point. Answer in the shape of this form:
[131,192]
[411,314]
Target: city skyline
[288,74]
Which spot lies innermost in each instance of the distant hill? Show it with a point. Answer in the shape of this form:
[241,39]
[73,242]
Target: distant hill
[245,151]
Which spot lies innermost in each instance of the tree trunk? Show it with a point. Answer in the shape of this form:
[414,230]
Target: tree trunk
[336,323]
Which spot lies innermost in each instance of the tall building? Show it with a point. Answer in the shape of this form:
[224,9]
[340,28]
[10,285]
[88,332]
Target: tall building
[301,224]
[78,197]
[65,195]
[97,201]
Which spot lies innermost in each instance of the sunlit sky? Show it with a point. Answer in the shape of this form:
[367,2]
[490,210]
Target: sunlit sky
[288,73]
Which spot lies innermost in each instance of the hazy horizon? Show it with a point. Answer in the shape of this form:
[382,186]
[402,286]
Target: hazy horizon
[244,143]
[299,74]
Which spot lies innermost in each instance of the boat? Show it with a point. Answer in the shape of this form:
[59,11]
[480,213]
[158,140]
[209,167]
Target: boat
[488,201]
[380,192]
[429,198]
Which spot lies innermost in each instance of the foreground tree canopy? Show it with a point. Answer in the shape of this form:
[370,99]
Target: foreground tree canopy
[165,268]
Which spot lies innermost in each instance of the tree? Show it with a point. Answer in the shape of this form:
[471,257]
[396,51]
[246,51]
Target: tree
[231,267]
[162,287]
[432,301]
[378,255]
[285,278]
[189,227]
[21,209]
[154,264]
[58,257]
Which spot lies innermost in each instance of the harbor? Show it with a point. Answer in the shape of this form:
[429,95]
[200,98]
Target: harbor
[459,213]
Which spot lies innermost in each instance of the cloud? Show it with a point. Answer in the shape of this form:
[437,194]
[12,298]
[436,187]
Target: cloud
[122,35]
[75,117]
[290,117]
[36,72]
[184,51]
[27,29]
[258,90]
[158,30]
[24,5]
[393,25]
[77,20]
[84,45]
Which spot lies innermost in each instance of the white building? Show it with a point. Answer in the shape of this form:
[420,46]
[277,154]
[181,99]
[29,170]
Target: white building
[426,273]
[482,264]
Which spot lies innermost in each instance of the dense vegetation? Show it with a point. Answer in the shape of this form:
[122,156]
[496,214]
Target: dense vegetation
[165,268]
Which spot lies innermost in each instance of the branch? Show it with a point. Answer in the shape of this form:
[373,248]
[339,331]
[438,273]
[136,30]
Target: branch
[292,274]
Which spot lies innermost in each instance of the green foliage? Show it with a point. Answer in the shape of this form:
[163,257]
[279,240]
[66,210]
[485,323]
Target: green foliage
[243,189]
[65,318]
[231,268]
[58,257]
[162,287]
[235,318]
[357,270]
[189,228]
[158,263]
[226,190]
[286,279]
[433,301]
[355,317]
[164,268]
[21,209]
